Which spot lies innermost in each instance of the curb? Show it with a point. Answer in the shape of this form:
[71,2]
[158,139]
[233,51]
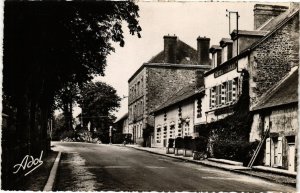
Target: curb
[213,166]
[51,178]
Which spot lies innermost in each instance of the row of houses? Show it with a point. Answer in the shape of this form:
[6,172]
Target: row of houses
[180,90]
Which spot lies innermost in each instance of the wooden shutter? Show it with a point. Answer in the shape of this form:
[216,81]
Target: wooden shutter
[279,151]
[223,95]
[268,152]
[234,90]
[213,100]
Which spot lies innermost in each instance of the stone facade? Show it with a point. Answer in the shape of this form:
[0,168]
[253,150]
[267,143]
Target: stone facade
[169,124]
[273,58]
[281,146]
[160,82]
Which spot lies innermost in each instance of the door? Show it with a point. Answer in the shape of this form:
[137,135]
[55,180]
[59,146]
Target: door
[268,152]
[291,157]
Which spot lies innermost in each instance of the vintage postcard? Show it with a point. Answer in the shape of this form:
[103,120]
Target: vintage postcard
[150,96]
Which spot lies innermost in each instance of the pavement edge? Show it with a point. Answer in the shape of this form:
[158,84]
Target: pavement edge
[222,168]
[51,178]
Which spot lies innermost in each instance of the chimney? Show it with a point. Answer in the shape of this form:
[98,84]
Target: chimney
[203,50]
[170,44]
[263,13]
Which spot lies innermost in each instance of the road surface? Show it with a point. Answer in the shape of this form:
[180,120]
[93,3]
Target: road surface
[99,167]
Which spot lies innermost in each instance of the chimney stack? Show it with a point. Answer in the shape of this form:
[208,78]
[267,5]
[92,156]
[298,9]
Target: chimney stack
[203,50]
[170,44]
[263,13]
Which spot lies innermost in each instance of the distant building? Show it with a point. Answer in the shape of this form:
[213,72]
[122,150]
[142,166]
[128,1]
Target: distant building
[121,126]
[175,118]
[176,67]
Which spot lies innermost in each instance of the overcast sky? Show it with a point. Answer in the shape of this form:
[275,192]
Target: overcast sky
[186,20]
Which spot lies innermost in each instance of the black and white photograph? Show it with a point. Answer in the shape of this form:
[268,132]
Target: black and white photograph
[149,95]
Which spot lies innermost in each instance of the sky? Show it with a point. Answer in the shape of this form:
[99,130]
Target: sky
[186,20]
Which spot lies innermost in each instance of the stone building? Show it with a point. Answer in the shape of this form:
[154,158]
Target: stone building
[276,115]
[268,54]
[174,68]
[175,117]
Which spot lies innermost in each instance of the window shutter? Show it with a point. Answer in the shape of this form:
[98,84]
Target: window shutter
[212,97]
[234,89]
[279,152]
[268,151]
[223,94]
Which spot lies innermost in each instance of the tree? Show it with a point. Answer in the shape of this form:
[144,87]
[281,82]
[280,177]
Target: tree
[49,44]
[65,100]
[98,102]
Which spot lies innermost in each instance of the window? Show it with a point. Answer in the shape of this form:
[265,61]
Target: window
[138,88]
[229,91]
[172,131]
[165,132]
[186,129]
[158,135]
[218,95]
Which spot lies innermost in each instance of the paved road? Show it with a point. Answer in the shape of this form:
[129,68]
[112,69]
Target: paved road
[94,167]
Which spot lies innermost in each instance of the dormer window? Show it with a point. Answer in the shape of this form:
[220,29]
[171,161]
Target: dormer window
[216,52]
[226,45]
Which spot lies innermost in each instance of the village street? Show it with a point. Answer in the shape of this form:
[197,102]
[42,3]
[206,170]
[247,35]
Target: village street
[99,167]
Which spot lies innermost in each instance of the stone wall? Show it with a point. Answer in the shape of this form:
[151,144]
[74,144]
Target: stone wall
[273,58]
[162,83]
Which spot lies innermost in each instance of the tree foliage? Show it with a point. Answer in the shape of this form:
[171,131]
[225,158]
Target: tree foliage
[98,101]
[49,44]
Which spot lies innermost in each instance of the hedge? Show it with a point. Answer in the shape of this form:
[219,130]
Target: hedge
[179,142]
[234,150]
[171,143]
[199,144]
[187,142]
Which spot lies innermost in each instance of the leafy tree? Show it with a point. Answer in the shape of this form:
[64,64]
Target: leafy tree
[65,100]
[98,102]
[46,46]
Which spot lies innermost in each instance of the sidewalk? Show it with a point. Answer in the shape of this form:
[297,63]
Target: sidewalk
[266,173]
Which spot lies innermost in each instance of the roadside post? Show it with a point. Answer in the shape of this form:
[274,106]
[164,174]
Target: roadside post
[110,134]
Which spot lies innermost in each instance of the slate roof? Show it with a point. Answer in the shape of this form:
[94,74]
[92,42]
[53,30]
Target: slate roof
[248,32]
[284,92]
[122,117]
[182,95]
[273,26]
[185,54]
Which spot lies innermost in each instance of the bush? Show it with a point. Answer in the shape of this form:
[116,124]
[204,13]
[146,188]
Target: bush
[179,142]
[234,150]
[187,142]
[70,134]
[171,143]
[199,144]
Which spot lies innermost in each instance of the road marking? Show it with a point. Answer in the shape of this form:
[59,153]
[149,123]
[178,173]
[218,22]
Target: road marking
[154,167]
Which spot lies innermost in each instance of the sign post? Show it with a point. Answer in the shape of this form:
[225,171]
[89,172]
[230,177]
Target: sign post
[110,134]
